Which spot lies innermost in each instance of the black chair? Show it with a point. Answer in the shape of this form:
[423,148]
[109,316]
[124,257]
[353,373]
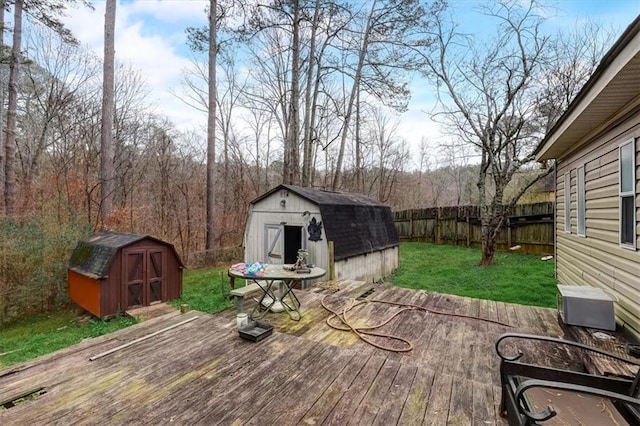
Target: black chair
[523,383]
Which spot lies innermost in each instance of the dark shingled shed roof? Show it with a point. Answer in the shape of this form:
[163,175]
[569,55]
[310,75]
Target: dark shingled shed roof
[93,256]
[354,222]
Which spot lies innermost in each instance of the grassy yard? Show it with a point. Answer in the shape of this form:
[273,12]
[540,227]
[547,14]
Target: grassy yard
[46,333]
[205,290]
[517,278]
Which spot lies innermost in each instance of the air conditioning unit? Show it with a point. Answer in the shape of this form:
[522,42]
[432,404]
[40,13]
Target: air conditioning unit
[586,306]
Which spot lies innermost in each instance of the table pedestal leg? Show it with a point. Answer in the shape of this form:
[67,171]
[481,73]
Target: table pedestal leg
[266,291]
[291,310]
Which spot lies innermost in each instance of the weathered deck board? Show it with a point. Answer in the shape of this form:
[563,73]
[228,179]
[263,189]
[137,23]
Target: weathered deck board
[439,399]
[483,410]
[418,397]
[351,399]
[377,393]
[306,373]
[325,404]
[394,400]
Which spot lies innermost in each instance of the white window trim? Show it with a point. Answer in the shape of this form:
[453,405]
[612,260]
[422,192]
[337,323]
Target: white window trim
[581,207]
[621,194]
[567,202]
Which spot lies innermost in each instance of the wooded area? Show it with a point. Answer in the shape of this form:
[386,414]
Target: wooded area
[307,92]
[530,226]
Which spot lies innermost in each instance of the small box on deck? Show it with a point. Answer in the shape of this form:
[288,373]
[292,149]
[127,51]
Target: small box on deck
[586,306]
[255,331]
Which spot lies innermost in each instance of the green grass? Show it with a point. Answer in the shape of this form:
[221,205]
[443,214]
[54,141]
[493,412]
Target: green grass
[205,290]
[46,333]
[516,278]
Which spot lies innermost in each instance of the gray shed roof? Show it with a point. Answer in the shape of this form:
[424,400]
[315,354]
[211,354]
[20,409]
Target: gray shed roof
[354,222]
[93,256]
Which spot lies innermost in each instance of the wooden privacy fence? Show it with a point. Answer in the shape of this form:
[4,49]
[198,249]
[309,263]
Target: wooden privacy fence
[530,227]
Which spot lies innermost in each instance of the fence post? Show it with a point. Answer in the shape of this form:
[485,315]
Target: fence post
[436,236]
[332,265]
[468,229]
[411,224]
[508,233]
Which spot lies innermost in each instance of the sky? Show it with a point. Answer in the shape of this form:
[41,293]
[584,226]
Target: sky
[150,36]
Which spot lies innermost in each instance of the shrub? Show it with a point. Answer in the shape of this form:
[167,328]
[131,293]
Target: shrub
[33,259]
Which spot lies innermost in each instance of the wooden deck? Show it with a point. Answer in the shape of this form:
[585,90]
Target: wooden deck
[201,372]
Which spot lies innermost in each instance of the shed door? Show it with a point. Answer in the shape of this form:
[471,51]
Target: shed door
[155,276]
[274,244]
[282,243]
[144,277]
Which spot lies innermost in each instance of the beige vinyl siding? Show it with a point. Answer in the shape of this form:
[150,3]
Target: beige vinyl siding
[563,186]
[581,207]
[564,201]
[598,259]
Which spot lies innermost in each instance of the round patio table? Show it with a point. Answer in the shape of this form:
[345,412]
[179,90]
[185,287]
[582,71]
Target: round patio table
[277,273]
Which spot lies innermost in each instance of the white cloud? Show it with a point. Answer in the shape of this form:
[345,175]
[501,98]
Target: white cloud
[149,37]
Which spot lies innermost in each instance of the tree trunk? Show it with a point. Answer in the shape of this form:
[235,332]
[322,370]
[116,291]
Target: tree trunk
[2,95]
[211,129]
[337,177]
[307,142]
[359,176]
[488,247]
[291,162]
[107,167]
[10,146]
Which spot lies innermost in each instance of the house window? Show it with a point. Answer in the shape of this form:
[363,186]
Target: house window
[582,208]
[627,194]
[567,202]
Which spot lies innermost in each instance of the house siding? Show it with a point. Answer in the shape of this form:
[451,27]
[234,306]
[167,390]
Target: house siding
[597,259]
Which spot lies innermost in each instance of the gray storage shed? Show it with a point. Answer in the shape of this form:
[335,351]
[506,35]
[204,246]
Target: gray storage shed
[288,218]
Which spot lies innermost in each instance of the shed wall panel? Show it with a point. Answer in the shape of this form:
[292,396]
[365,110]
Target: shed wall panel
[268,211]
[598,259]
[85,291]
[369,267]
[112,288]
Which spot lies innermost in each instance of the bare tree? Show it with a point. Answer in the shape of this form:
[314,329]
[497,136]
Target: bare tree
[10,141]
[291,163]
[3,85]
[383,53]
[211,128]
[47,13]
[55,75]
[456,159]
[107,167]
[575,56]
[487,95]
